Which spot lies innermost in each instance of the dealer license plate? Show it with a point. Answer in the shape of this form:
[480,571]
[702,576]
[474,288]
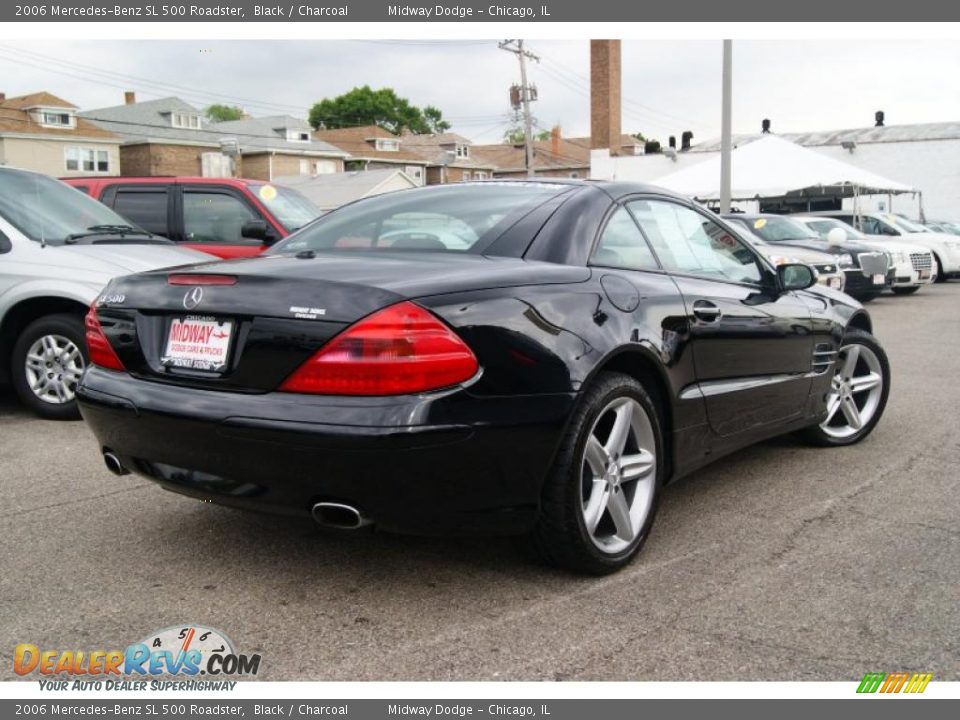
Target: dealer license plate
[835,283]
[924,274]
[879,279]
[198,343]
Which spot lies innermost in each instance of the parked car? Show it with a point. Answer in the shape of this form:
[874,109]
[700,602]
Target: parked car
[868,272]
[593,341]
[944,226]
[913,266]
[225,217]
[828,270]
[945,247]
[58,249]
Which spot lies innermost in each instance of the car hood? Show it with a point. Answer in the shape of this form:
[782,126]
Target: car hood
[124,259]
[891,246]
[823,246]
[803,254]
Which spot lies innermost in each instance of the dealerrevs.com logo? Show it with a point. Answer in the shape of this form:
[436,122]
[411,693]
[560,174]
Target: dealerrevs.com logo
[895,682]
[180,650]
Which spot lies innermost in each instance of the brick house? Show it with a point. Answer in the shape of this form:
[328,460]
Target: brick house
[370,147]
[448,156]
[280,146]
[171,137]
[42,132]
[556,157]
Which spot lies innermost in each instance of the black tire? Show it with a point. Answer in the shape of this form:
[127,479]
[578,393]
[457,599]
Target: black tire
[864,298]
[560,537]
[815,435]
[905,290]
[64,325]
[941,278]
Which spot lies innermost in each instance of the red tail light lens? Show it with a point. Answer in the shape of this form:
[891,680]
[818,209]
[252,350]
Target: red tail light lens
[399,350]
[98,347]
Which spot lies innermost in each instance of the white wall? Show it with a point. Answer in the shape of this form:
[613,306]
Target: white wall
[933,166]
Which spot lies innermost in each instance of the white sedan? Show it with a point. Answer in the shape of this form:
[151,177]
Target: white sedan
[914,266]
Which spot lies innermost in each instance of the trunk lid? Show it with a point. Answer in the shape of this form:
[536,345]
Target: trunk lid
[282,309]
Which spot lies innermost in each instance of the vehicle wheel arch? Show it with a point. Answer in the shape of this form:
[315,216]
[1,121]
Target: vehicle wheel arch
[24,312]
[640,363]
[860,320]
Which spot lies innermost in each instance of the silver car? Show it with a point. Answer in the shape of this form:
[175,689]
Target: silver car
[58,248]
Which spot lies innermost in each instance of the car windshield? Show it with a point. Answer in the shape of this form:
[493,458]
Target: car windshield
[450,218]
[291,208]
[823,228]
[778,229]
[49,211]
[906,225]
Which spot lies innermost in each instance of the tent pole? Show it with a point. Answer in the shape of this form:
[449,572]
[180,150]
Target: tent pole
[725,121]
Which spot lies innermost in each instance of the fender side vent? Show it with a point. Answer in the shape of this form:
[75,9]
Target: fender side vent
[824,355]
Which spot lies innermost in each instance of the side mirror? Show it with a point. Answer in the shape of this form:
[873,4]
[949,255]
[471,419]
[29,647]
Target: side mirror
[5,244]
[255,230]
[837,236]
[796,276]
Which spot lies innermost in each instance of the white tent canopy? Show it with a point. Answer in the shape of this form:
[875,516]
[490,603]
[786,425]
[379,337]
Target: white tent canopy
[773,167]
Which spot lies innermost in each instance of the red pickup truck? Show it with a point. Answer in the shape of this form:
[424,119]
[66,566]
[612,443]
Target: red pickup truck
[227,217]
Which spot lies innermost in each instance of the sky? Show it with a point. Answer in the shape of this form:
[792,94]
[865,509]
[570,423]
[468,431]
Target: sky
[668,86]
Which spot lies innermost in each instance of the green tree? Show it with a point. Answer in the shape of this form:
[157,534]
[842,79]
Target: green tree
[514,136]
[223,113]
[383,107]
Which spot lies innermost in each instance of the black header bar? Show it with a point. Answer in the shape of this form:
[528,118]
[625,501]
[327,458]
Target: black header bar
[329,11]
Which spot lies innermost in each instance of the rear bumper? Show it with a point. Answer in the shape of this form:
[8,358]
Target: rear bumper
[440,464]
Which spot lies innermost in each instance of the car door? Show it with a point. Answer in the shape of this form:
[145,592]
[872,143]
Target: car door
[145,205]
[752,344]
[212,218]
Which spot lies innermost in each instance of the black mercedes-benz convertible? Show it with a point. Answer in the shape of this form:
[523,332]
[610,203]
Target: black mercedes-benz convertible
[532,358]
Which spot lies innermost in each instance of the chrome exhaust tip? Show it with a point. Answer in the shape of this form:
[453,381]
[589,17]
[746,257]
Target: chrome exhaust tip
[113,464]
[338,515]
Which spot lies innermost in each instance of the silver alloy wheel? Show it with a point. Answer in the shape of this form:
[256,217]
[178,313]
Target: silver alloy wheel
[618,475]
[53,367]
[855,391]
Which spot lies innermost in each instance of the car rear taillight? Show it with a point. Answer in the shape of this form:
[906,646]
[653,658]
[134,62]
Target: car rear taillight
[399,350]
[98,347]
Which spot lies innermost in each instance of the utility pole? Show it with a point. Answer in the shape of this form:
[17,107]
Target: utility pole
[527,94]
[725,122]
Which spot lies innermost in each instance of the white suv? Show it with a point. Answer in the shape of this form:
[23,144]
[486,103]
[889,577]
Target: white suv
[914,266]
[945,248]
[58,248]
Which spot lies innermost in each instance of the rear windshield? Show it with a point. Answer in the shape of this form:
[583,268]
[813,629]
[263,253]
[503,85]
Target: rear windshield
[455,218]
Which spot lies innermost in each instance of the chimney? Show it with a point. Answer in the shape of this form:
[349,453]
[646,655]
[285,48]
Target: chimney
[672,142]
[605,95]
[685,139]
[878,116]
[765,126]
[129,98]
[555,141]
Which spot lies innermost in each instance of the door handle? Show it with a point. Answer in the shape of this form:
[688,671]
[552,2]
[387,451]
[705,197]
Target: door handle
[706,311]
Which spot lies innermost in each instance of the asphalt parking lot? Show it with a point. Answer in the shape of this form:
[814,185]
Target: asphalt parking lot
[780,563]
